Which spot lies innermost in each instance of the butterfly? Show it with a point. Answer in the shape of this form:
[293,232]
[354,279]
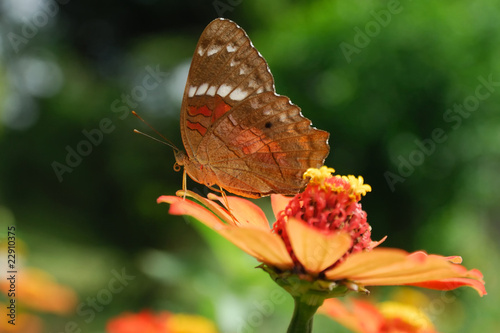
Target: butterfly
[238,133]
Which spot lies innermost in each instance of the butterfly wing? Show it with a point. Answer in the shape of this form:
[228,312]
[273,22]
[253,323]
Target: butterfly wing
[238,133]
[225,69]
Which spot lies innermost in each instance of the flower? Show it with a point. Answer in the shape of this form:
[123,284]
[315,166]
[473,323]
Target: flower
[161,322]
[41,292]
[320,242]
[329,205]
[385,317]
[143,322]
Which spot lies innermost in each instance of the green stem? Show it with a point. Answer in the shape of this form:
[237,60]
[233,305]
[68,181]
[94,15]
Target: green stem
[303,315]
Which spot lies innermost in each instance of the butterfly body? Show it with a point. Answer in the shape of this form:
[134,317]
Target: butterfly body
[238,133]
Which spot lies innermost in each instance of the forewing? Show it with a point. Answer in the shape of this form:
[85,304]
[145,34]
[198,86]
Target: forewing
[225,70]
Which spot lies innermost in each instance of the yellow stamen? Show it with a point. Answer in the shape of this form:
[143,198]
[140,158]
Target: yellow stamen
[319,177]
[357,184]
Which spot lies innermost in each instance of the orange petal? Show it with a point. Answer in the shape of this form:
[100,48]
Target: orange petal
[374,244]
[144,321]
[384,266]
[370,317]
[41,292]
[180,206]
[453,259]
[361,262]
[217,209]
[362,317]
[339,312]
[411,271]
[263,245]
[314,249]
[245,212]
[450,284]
[279,203]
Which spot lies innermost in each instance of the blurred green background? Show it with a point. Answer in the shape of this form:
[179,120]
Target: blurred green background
[401,86]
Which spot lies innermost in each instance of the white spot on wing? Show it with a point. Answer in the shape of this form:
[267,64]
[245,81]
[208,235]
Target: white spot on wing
[238,94]
[211,91]
[253,84]
[191,91]
[233,63]
[230,48]
[213,50]
[244,69]
[267,112]
[260,90]
[282,117]
[201,51]
[223,90]
[202,89]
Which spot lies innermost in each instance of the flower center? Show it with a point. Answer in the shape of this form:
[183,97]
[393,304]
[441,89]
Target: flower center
[329,203]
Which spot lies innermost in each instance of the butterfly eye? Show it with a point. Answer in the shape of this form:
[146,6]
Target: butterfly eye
[268,124]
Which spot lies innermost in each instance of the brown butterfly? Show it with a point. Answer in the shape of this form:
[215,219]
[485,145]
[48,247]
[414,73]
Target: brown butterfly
[238,133]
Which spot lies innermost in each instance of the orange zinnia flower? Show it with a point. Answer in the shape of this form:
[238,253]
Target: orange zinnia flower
[364,317]
[322,235]
[320,245]
[162,322]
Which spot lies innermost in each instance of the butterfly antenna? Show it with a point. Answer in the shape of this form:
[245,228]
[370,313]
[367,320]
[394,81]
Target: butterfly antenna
[153,138]
[166,142]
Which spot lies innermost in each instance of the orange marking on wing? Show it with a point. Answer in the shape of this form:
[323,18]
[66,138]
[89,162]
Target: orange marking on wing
[257,143]
[220,110]
[197,127]
[204,111]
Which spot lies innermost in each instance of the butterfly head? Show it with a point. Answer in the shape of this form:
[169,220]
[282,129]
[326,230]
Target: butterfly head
[181,158]
[197,171]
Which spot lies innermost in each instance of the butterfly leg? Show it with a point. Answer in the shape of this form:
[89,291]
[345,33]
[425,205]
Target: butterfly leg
[184,183]
[224,198]
[177,168]
[226,202]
